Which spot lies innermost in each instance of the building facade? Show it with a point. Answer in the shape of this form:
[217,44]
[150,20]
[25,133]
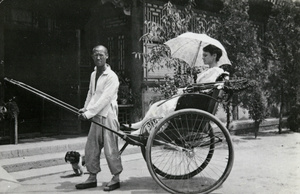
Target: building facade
[47,45]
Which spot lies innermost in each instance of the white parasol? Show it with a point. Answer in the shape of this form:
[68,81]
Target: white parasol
[188,47]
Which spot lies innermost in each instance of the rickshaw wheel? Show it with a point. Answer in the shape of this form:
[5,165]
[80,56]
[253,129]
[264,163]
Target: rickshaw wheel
[190,151]
[166,174]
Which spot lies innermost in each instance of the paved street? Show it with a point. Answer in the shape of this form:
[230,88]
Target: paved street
[269,164]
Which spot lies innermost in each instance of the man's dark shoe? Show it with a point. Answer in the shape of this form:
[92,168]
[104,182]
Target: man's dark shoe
[112,187]
[86,185]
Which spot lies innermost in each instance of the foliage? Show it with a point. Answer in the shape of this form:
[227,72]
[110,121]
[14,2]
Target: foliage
[125,94]
[9,109]
[256,103]
[168,89]
[282,49]
[171,84]
[293,120]
[239,36]
[282,40]
[173,23]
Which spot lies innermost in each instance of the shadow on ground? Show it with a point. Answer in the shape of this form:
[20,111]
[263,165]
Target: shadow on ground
[135,184]
[141,183]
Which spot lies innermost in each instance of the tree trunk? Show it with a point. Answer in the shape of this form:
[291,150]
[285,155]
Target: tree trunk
[235,115]
[280,119]
[228,116]
[256,128]
[280,112]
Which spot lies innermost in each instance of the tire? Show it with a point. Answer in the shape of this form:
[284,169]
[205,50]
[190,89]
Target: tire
[190,151]
[168,175]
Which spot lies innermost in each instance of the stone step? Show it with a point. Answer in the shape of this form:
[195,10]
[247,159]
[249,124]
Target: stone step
[41,147]
[34,162]
[47,160]
[45,154]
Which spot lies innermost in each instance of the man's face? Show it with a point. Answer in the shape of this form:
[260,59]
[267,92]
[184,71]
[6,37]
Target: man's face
[99,57]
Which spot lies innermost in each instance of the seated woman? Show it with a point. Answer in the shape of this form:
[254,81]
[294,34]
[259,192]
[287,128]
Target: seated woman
[211,55]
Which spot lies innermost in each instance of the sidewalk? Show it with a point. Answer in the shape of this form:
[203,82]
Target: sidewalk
[34,149]
[30,147]
[134,166]
[7,182]
[135,176]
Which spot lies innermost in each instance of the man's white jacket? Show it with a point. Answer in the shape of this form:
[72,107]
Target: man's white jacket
[103,96]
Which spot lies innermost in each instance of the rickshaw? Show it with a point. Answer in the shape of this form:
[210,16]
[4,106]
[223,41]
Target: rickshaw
[188,151]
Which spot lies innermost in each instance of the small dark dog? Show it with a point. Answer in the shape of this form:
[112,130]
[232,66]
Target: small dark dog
[76,160]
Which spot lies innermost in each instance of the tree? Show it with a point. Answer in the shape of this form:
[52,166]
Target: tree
[282,46]
[242,44]
[173,23]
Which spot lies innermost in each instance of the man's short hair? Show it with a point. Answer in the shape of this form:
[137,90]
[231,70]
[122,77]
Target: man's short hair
[100,46]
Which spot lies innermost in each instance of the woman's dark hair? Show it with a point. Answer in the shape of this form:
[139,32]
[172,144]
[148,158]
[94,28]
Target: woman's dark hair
[213,50]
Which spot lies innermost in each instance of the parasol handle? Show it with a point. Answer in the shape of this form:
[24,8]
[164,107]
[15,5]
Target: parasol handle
[197,53]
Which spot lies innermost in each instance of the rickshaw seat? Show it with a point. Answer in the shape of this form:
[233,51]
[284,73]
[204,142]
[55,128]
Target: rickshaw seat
[200,101]
[206,102]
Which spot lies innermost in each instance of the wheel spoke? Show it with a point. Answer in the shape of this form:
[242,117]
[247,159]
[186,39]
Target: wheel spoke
[189,152]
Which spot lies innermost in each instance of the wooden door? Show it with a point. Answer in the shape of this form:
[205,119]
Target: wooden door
[69,79]
[49,62]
